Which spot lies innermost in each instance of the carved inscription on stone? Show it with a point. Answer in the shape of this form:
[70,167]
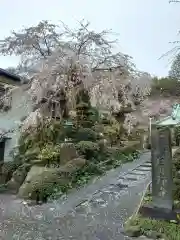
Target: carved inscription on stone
[161,156]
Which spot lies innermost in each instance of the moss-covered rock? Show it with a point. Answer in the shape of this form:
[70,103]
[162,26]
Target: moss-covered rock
[43,182]
[67,152]
[73,165]
[18,177]
[40,184]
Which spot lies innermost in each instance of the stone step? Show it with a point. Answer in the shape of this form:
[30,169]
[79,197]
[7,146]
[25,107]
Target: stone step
[145,169]
[146,165]
[137,172]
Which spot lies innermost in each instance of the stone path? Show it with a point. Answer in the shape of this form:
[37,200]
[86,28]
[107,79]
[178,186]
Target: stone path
[96,211]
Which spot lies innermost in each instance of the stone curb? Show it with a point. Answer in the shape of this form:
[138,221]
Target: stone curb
[140,204]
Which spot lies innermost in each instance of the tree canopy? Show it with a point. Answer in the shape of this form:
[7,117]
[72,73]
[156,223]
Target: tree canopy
[57,57]
[39,42]
[175,68]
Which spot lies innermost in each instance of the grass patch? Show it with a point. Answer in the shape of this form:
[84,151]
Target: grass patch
[154,229]
[158,229]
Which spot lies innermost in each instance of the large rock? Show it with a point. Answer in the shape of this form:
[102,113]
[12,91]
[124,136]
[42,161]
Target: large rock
[40,181]
[133,231]
[67,152]
[43,180]
[73,165]
[18,178]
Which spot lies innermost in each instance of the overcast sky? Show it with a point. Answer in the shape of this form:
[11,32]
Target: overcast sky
[145,27]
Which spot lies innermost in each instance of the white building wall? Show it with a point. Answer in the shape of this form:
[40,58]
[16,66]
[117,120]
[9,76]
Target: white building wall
[21,107]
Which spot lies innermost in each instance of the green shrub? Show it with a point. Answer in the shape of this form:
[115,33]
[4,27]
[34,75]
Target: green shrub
[3,188]
[105,121]
[88,149]
[93,114]
[154,229]
[176,161]
[82,106]
[83,96]
[50,154]
[83,175]
[51,132]
[177,135]
[26,141]
[84,115]
[112,133]
[98,128]
[176,174]
[86,134]
[102,144]
[7,170]
[69,132]
[108,120]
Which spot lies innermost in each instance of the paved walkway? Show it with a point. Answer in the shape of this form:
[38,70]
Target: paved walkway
[97,211]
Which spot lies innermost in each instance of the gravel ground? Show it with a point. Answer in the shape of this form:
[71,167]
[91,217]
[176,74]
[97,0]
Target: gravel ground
[97,211]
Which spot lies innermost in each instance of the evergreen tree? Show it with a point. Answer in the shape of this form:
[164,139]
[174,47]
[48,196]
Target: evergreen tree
[83,108]
[175,68]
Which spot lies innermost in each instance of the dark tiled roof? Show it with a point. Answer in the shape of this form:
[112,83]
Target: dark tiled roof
[10,75]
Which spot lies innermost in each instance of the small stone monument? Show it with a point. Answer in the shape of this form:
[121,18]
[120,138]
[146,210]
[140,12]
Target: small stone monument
[161,158]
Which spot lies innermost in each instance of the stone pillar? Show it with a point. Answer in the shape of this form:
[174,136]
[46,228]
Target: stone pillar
[161,157]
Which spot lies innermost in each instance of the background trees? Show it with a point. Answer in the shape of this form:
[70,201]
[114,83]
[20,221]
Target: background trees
[175,67]
[165,87]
